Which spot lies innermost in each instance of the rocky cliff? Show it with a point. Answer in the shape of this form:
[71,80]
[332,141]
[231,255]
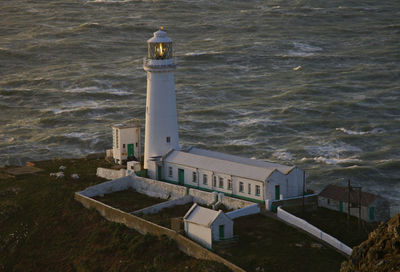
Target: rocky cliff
[379,253]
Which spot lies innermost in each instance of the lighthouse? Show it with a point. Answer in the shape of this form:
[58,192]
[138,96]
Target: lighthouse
[161,132]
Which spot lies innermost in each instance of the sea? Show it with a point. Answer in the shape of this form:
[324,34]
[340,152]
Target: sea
[302,82]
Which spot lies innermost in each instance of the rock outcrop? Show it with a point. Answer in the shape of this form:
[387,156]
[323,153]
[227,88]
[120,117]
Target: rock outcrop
[379,253]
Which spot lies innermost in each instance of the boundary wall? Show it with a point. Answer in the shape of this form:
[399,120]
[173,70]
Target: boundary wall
[304,225]
[158,207]
[252,209]
[143,226]
[110,173]
[163,190]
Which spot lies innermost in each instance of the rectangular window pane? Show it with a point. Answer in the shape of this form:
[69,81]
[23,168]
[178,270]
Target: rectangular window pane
[221,182]
[229,184]
[215,181]
[170,171]
[194,177]
[249,189]
[241,187]
[205,179]
[258,190]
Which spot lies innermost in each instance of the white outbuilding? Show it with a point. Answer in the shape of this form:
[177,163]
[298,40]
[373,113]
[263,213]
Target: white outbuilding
[205,225]
[126,142]
[249,179]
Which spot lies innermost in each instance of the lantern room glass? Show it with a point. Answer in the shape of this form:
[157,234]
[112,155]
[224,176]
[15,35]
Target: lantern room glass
[160,51]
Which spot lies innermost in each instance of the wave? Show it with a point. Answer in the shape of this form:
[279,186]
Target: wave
[332,161]
[352,132]
[283,155]
[96,90]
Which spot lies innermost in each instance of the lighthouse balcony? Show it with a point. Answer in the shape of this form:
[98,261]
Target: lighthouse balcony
[159,64]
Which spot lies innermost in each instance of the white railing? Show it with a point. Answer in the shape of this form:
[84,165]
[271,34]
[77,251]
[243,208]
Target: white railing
[304,225]
[159,64]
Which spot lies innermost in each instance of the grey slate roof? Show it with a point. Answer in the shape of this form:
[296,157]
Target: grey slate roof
[226,164]
[201,216]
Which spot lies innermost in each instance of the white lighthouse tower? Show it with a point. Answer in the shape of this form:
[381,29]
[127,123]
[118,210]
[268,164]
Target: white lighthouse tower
[161,134]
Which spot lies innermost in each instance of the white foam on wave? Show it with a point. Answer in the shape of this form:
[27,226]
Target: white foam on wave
[283,155]
[240,142]
[94,90]
[352,132]
[201,53]
[335,160]
[303,50]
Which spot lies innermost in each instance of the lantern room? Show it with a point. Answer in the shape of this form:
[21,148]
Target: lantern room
[160,46]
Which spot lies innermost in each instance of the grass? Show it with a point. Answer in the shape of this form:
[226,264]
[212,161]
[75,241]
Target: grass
[129,200]
[336,224]
[42,228]
[265,244]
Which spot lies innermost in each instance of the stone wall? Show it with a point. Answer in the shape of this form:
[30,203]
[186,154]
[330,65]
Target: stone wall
[235,203]
[316,232]
[252,209]
[158,207]
[143,226]
[110,173]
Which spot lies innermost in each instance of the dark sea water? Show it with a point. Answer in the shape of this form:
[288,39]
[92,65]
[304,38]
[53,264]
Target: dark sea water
[311,83]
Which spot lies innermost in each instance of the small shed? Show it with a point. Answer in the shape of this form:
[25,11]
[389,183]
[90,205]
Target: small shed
[373,207]
[205,225]
[126,142]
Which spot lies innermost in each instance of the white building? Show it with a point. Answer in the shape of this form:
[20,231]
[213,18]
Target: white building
[232,175]
[205,225]
[126,143]
[161,134]
[235,176]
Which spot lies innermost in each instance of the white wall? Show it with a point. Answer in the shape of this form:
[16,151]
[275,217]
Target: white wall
[126,136]
[199,233]
[110,173]
[304,225]
[245,192]
[158,207]
[290,185]
[228,227]
[252,209]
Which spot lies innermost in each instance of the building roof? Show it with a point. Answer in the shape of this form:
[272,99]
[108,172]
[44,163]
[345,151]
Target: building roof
[340,193]
[284,169]
[129,125]
[202,216]
[226,164]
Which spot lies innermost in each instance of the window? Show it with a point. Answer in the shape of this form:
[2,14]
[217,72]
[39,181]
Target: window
[123,146]
[205,179]
[241,187]
[215,181]
[136,144]
[249,188]
[329,202]
[229,184]
[194,177]
[221,182]
[258,191]
[168,139]
[170,171]
[116,138]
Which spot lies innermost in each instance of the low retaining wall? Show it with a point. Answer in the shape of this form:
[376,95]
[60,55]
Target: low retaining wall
[309,201]
[304,225]
[203,197]
[108,187]
[155,188]
[235,203]
[158,207]
[252,209]
[143,226]
[110,173]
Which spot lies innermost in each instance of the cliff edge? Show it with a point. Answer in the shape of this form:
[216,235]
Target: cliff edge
[380,252]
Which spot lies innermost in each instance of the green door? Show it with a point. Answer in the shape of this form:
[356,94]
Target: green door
[371,213]
[130,150]
[181,176]
[159,171]
[341,206]
[221,232]
[277,192]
